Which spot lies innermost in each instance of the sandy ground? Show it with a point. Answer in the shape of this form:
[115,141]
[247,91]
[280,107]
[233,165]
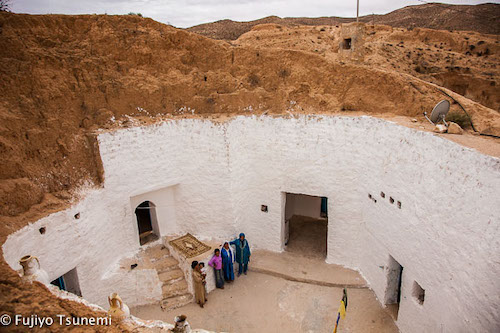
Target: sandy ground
[295,267]
[308,236]
[293,291]
[262,303]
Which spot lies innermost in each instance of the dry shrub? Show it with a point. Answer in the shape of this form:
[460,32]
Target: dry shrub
[283,73]
[459,118]
[254,80]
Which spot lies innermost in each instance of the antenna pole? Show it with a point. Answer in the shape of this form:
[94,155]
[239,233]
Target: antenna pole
[357,12]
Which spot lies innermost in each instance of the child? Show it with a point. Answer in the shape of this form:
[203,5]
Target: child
[203,271]
[216,263]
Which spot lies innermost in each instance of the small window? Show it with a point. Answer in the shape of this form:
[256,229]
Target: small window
[399,204]
[42,230]
[347,43]
[418,293]
[263,208]
[382,194]
[391,200]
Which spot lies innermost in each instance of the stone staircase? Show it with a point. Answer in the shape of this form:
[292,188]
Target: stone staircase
[173,283]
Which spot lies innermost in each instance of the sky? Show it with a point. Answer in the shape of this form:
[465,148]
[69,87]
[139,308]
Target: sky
[186,13]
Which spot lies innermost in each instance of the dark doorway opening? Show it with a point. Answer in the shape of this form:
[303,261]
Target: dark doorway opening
[393,289]
[347,43]
[306,225]
[69,282]
[146,222]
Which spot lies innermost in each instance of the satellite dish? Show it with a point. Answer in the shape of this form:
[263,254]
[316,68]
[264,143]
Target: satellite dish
[439,112]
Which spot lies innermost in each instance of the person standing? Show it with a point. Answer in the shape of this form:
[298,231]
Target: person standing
[199,284]
[216,263]
[242,253]
[227,255]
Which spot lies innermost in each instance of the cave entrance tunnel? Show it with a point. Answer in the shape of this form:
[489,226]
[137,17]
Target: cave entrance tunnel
[306,225]
[69,282]
[147,222]
[394,276]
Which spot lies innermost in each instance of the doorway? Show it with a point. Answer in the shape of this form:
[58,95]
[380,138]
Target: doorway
[147,222]
[394,276]
[69,282]
[306,225]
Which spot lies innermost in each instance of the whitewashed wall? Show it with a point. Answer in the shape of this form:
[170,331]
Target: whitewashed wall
[303,205]
[211,180]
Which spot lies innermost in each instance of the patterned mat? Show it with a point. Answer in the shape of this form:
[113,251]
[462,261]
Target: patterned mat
[189,246]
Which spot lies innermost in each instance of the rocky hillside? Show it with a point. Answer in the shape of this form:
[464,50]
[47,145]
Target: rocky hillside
[482,18]
[464,62]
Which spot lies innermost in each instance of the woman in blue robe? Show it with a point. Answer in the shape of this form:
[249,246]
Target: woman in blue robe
[242,253]
[227,262]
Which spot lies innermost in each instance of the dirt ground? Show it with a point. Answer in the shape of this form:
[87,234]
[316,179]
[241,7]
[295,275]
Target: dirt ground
[308,236]
[262,303]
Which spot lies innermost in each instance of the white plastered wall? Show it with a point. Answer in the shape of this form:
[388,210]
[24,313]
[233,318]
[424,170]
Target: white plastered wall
[211,180]
[303,205]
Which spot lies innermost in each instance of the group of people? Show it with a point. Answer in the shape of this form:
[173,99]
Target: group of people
[222,263]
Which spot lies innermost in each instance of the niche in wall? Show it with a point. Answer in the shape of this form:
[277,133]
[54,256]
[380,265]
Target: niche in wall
[418,293]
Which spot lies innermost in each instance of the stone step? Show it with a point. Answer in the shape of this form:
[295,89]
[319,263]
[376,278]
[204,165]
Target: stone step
[174,289]
[157,252]
[166,264]
[172,281]
[175,302]
[171,275]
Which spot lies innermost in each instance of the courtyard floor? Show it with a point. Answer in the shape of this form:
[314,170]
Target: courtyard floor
[284,292]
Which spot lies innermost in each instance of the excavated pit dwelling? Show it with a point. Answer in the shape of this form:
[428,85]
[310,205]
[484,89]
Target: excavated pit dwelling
[416,214]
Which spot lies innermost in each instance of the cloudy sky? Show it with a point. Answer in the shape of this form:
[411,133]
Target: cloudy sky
[186,13]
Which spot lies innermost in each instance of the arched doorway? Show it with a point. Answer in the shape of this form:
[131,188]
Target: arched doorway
[147,222]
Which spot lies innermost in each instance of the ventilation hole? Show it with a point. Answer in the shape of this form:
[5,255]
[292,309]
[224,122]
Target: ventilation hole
[369,196]
[375,200]
[42,230]
[205,78]
[133,266]
[77,216]
[382,194]
[263,208]
[399,204]
[418,293]
[391,200]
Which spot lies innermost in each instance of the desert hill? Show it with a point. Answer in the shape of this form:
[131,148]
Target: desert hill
[464,62]
[66,77]
[482,18]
